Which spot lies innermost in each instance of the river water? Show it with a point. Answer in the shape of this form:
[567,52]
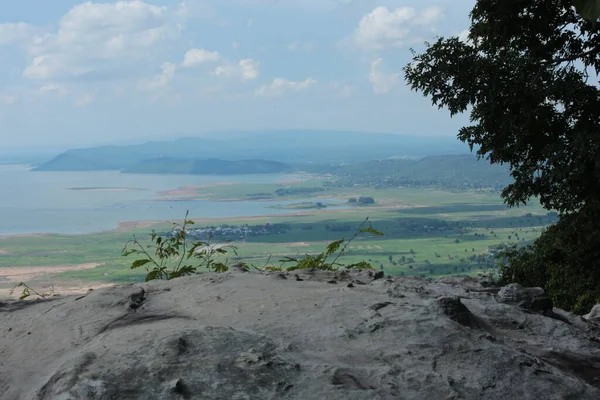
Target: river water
[45,202]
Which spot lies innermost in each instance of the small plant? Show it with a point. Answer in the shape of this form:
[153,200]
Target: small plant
[28,291]
[175,256]
[337,248]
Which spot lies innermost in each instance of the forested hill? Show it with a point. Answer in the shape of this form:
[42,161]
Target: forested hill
[449,171]
[283,146]
[207,167]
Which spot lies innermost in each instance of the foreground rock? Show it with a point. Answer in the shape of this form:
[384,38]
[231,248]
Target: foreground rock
[326,336]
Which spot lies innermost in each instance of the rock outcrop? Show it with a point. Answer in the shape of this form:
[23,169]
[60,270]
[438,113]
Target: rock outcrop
[594,315]
[314,335]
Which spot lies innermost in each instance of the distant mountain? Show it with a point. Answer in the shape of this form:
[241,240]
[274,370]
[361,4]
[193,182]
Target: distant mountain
[31,156]
[206,167]
[459,167]
[450,171]
[285,146]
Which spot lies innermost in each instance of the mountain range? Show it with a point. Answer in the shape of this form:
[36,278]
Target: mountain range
[292,146]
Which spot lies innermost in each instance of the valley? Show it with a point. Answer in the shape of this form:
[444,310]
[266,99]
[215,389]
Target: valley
[427,232]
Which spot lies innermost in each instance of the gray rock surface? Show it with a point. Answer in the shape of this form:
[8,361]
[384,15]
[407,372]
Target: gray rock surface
[245,335]
[532,299]
[593,315]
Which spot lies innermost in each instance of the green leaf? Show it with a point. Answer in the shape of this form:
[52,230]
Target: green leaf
[360,265]
[183,271]
[139,263]
[333,247]
[153,275]
[220,267]
[371,231]
[187,270]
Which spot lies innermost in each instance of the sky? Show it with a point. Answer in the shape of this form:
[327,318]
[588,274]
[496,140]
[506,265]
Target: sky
[78,73]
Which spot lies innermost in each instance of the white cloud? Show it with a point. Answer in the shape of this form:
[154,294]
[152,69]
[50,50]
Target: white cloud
[104,40]
[429,17]
[41,67]
[279,86]
[164,79]
[249,68]
[301,46]
[197,9]
[381,82]
[17,33]
[53,88]
[114,25]
[196,57]
[463,35]
[246,69]
[384,28]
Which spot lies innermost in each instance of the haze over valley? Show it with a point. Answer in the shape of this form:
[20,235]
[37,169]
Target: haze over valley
[272,194]
[94,189]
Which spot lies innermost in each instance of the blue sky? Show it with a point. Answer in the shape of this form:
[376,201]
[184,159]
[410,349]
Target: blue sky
[81,73]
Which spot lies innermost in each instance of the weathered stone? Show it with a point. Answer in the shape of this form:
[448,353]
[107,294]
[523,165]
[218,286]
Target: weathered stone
[215,364]
[456,311]
[593,315]
[136,299]
[250,336]
[531,299]
[378,275]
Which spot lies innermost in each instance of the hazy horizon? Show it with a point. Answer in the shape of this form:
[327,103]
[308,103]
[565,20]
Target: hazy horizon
[53,148]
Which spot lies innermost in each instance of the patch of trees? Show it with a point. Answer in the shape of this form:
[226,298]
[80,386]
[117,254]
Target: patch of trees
[293,191]
[361,200]
[231,232]
[522,74]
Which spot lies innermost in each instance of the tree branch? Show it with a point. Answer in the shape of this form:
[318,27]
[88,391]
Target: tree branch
[595,49]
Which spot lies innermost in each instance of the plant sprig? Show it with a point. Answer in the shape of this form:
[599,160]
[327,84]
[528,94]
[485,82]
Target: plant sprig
[29,291]
[337,248]
[174,257]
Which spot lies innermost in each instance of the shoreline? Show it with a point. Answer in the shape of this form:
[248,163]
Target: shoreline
[181,193]
[125,226]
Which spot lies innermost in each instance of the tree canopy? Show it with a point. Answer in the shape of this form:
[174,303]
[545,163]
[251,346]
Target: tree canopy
[528,75]
[588,9]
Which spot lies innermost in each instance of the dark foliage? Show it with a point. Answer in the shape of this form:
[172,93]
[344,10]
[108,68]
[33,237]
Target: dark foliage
[523,74]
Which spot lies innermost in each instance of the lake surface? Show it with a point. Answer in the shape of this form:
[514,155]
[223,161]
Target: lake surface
[44,202]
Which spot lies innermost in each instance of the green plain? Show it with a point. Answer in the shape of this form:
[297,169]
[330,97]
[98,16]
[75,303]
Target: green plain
[486,222]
